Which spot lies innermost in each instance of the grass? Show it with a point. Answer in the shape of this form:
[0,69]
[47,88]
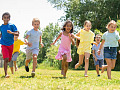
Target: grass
[52,80]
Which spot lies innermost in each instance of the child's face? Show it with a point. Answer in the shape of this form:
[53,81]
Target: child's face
[112,28]
[87,26]
[15,38]
[6,19]
[98,38]
[36,25]
[68,27]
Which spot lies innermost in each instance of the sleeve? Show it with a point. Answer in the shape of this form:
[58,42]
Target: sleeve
[93,47]
[92,38]
[28,33]
[40,33]
[117,36]
[103,37]
[14,28]
[21,42]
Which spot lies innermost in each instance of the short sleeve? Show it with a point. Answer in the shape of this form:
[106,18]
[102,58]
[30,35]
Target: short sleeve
[40,33]
[103,37]
[93,47]
[28,33]
[13,27]
[21,42]
[117,36]
[92,38]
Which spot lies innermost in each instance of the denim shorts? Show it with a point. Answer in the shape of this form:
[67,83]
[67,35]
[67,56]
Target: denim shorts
[110,52]
[99,62]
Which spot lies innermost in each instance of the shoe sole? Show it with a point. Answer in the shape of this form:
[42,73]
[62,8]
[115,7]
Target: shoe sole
[32,74]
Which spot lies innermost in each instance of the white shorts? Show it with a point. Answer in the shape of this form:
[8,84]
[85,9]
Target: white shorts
[30,52]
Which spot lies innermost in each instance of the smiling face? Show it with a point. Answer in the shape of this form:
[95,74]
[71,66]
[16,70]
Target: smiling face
[6,19]
[68,27]
[112,28]
[36,25]
[87,26]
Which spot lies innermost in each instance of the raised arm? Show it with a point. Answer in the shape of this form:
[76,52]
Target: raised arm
[102,43]
[56,39]
[14,33]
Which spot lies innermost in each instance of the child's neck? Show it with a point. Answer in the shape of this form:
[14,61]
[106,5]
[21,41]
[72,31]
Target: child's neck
[36,29]
[87,30]
[5,23]
[97,42]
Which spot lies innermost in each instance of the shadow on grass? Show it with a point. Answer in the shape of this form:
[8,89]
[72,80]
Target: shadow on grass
[59,77]
[26,77]
[3,77]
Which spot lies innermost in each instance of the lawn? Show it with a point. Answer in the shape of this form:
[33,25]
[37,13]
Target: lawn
[52,80]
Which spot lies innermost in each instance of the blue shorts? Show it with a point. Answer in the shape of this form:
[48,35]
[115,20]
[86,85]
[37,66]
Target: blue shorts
[99,62]
[110,52]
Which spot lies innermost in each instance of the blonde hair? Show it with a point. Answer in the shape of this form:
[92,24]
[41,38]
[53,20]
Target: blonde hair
[86,21]
[35,20]
[111,22]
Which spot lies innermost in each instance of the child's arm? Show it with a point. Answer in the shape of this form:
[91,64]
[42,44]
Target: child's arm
[14,33]
[102,43]
[41,42]
[76,36]
[56,39]
[94,55]
[72,38]
[26,41]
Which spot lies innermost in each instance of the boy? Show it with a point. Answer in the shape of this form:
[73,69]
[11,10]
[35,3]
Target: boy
[7,40]
[98,59]
[33,37]
[16,51]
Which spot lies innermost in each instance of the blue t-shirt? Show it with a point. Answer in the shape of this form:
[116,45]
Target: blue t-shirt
[6,38]
[111,39]
[34,38]
[95,48]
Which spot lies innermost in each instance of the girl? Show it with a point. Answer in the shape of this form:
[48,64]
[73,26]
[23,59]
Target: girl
[86,37]
[64,52]
[110,41]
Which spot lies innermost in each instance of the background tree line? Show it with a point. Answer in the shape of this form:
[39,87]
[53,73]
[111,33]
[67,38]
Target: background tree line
[99,12]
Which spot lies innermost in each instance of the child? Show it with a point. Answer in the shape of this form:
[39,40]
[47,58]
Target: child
[98,60]
[7,40]
[16,51]
[110,41]
[34,36]
[64,52]
[86,37]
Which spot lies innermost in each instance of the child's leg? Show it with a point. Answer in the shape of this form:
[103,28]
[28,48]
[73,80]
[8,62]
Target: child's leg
[27,61]
[80,61]
[66,68]
[97,69]
[6,60]
[62,67]
[63,64]
[109,63]
[87,55]
[11,66]
[15,65]
[113,63]
[34,62]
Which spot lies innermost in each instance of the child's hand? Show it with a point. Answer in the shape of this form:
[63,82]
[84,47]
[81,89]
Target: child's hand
[8,31]
[119,51]
[98,52]
[52,43]
[96,59]
[29,44]
[42,45]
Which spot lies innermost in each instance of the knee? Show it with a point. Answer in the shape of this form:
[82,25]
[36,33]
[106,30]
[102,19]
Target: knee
[6,60]
[35,57]
[112,67]
[65,57]
[80,62]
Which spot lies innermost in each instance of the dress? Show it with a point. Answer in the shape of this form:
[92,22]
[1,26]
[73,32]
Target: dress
[86,38]
[65,48]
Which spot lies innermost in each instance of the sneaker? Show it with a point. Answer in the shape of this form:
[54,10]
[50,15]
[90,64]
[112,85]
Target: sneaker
[27,68]
[33,74]
[85,75]
[98,75]
[7,76]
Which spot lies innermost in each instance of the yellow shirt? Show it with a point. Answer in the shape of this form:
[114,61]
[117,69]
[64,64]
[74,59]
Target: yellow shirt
[17,45]
[86,38]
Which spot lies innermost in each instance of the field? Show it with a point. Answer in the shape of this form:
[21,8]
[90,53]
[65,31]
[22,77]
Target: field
[52,80]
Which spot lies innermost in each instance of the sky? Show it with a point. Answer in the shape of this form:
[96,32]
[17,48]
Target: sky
[23,11]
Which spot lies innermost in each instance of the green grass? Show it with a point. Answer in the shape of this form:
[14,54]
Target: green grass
[52,80]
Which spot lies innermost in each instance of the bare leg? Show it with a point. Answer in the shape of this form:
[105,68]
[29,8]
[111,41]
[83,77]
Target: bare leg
[109,67]
[80,61]
[113,63]
[64,63]
[11,68]
[97,69]
[66,68]
[87,55]
[34,62]
[103,68]
[62,69]
[15,65]
[27,61]
[5,67]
